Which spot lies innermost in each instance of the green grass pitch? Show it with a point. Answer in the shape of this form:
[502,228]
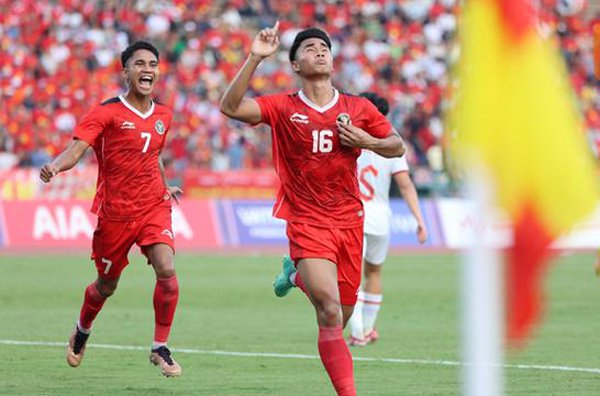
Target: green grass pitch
[227,304]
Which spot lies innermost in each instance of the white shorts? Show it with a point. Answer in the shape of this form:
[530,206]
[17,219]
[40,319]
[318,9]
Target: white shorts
[375,248]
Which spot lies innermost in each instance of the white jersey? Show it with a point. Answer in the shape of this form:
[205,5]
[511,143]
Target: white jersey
[374,179]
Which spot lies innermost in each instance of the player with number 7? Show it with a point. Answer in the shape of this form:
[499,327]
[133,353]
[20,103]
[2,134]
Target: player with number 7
[133,200]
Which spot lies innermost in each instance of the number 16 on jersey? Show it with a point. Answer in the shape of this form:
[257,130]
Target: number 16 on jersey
[322,142]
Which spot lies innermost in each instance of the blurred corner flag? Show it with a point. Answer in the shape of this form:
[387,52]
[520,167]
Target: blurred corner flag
[515,115]
[596,35]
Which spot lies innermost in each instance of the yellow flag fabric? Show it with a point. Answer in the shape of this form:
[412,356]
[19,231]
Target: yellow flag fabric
[516,113]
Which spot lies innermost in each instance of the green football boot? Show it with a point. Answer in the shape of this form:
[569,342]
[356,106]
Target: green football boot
[282,283]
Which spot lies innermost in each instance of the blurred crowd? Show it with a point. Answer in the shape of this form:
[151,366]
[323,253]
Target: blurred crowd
[59,58]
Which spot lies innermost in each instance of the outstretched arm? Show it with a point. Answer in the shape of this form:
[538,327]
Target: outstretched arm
[353,136]
[174,192]
[409,194]
[233,103]
[65,160]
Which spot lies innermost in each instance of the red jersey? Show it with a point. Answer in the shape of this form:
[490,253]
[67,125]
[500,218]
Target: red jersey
[317,173]
[127,144]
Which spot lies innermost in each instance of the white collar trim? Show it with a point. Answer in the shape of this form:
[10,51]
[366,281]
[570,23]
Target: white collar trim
[336,96]
[136,111]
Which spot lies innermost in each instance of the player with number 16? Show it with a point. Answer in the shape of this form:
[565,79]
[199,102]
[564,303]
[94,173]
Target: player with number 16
[318,133]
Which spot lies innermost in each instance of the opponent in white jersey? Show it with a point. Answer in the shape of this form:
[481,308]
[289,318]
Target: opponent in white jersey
[375,175]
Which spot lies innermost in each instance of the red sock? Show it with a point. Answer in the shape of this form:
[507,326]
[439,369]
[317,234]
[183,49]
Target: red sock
[300,283]
[337,360]
[166,294]
[92,304]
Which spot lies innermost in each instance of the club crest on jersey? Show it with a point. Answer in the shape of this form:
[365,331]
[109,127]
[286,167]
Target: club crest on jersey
[301,118]
[160,127]
[344,118]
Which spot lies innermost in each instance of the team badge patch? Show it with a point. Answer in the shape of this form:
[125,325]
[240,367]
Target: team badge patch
[344,118]
[160,127]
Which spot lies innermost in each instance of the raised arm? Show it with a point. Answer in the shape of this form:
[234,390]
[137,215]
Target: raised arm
[65,160]
[409,194]
[233,103]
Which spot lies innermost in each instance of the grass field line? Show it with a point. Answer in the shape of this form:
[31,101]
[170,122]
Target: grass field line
[301,356]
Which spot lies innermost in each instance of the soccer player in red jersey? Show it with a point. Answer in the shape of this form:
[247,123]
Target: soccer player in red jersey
[133,200]
[318,133]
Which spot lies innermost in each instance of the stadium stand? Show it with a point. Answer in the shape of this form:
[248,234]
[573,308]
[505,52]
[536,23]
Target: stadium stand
[59,58]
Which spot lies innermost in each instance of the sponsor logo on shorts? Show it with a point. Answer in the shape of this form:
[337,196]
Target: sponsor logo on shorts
[167,233]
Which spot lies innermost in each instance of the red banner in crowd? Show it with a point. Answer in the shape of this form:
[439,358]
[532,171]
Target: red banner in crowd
[25,184]
[244,184]
[80,184]
[68,224]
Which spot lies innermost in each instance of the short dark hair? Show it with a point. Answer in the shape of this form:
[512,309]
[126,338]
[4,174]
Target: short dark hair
[306,34]
[381,103]
[138,45]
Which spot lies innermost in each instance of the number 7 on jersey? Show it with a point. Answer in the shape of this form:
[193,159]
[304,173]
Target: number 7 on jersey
[147,136]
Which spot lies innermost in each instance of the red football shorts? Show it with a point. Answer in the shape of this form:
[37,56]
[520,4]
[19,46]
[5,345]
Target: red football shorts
[113,239]
[342,246]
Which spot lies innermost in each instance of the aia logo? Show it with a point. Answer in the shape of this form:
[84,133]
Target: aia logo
[362,179]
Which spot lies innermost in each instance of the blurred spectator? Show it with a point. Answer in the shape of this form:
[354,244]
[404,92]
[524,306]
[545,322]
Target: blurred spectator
[237,153]
[8,159]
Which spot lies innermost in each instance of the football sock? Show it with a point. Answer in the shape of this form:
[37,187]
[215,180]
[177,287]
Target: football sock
[372,303]
[92,304]
[81,329]
[357,327]
[156,345]
[299,282]
[166,294]
[337,360]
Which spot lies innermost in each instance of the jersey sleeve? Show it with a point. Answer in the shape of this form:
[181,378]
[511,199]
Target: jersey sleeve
[399,165]
[376,123]
[269,106]
[91,126]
